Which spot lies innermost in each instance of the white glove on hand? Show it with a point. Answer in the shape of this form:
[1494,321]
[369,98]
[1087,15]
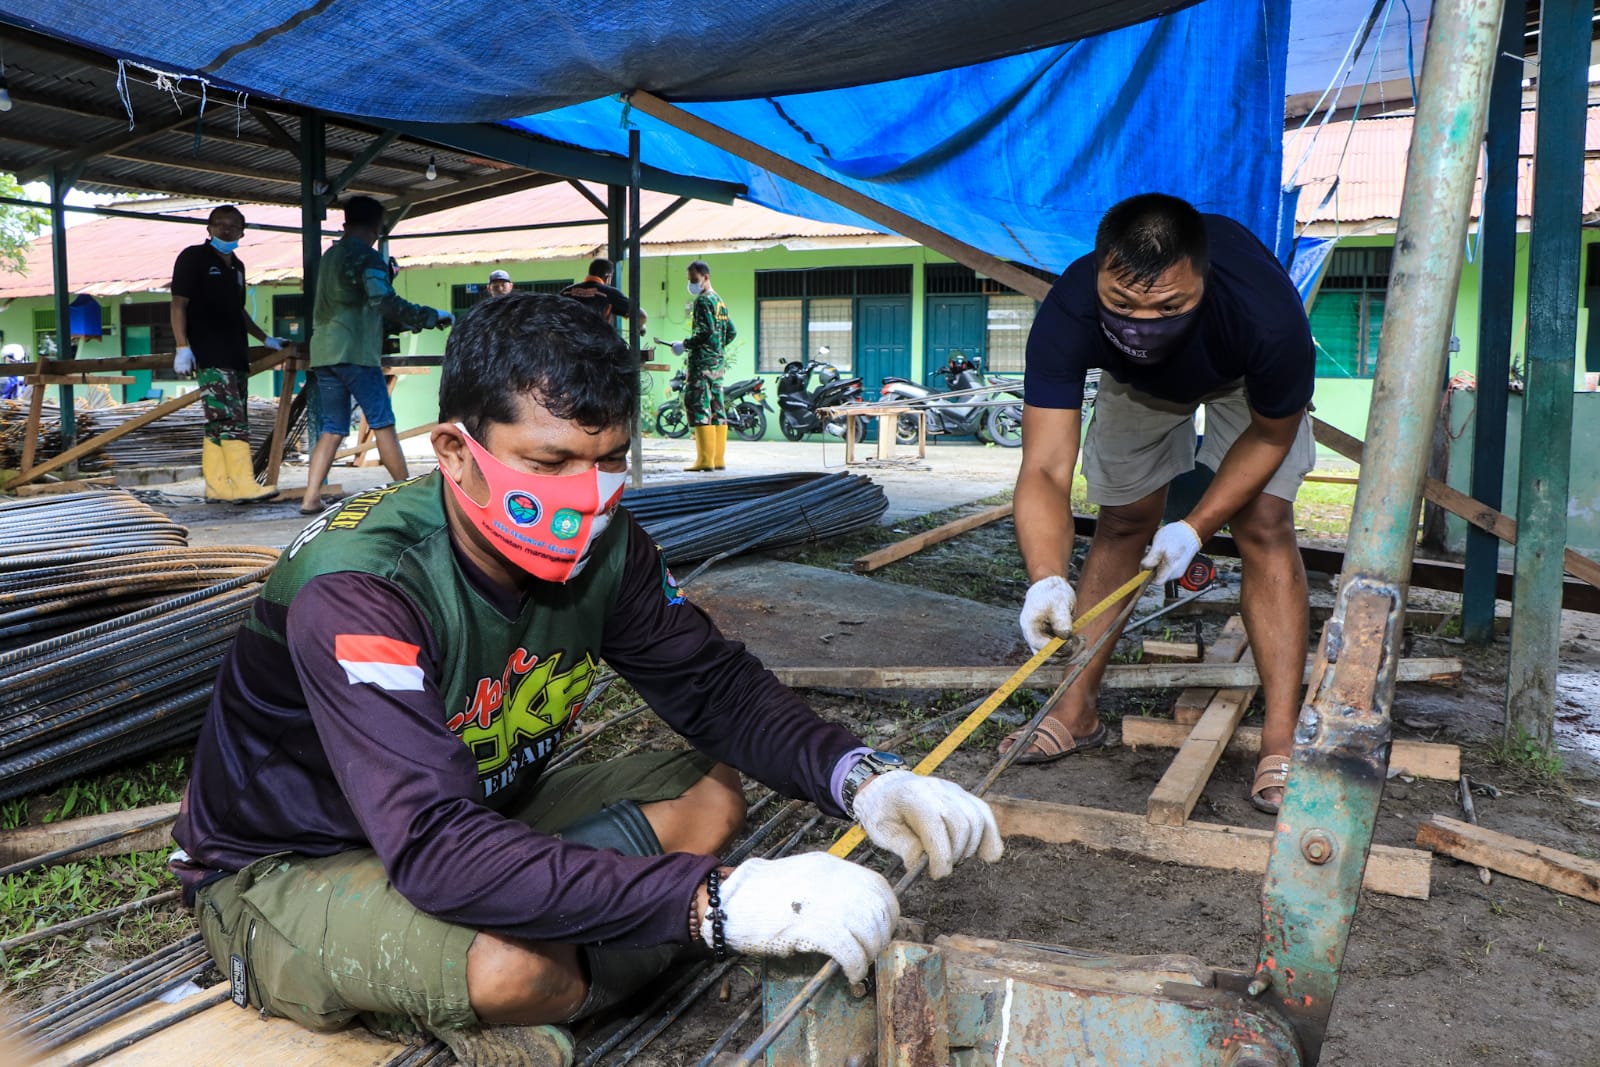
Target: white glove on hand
[808,903]
[677,348]
[1174,546]
[183,362]
[445,319]
[272,344]
[1047,611]
[910,814]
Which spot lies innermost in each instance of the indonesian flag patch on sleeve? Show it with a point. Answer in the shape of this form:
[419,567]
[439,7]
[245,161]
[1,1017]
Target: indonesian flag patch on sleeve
[369,659]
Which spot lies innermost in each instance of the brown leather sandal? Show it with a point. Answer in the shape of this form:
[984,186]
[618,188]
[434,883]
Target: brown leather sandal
[1272,772]
[1052,741]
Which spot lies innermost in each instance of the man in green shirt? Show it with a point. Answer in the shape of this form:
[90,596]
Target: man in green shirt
[354,296]
[707,350]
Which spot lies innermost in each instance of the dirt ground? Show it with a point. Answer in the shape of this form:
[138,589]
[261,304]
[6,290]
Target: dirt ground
[1498,974]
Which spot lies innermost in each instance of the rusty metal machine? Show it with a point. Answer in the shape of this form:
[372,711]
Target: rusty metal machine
[962,1002]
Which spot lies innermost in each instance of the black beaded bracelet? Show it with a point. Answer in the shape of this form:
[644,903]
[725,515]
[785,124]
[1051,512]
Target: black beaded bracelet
[719,935]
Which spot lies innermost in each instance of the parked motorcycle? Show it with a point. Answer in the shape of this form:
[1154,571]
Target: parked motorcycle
[744,403]
[799,404]
[979,414]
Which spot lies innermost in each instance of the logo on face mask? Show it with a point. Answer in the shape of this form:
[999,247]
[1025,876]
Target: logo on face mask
[565,524]
[523,508]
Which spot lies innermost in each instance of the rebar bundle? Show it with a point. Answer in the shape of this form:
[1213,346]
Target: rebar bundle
[700,520]
[77,702]
[170,441]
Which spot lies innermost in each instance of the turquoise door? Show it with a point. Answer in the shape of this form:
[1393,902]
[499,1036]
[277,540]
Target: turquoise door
[883,340]
[955,324]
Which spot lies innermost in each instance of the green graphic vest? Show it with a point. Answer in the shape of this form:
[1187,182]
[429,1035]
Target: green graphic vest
[510,686]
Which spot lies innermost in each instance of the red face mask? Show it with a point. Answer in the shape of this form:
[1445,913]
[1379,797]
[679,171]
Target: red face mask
[544,524]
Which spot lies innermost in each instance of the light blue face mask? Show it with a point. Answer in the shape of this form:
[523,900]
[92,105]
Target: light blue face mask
[225,247]
[695,288]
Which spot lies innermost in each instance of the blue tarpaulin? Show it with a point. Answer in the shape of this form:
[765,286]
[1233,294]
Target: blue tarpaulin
[1017,156]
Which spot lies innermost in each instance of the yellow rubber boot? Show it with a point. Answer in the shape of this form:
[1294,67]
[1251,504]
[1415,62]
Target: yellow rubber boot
[703,437]
[219,486]
[719,446]
[242,472]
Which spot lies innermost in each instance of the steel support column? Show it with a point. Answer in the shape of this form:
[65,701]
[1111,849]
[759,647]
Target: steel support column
[1553,249]
[1341,753]
[634,340]
[617,225]
[313,209]
[1497,290]
[65,349]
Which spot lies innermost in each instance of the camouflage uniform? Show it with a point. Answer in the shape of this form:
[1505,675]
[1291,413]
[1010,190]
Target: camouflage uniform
[706,349]
[227,409]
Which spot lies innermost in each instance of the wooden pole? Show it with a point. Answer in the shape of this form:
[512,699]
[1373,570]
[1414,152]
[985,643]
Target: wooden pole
[868,208]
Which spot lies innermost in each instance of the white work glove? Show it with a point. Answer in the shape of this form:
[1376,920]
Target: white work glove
[183,362]
[813,902]
[910,814]
[1174,546]
[272,344]
[677,348]
[1047,611]
[445,319]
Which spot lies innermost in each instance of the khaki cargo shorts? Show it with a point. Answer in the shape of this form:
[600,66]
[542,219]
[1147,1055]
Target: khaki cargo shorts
[325,940]
[1138,443]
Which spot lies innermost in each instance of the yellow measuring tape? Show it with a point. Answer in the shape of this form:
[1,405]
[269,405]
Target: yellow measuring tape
[941,752]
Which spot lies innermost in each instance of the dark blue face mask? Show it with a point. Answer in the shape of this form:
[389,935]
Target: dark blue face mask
[1147,341]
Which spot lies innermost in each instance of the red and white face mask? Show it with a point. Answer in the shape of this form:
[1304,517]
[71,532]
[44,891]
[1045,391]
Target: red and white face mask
[544,524]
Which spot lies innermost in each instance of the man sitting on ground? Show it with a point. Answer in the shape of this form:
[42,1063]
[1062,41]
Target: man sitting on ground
[369,831]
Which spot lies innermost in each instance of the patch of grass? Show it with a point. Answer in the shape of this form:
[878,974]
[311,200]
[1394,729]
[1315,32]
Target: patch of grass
[1323,510]
[1524,753]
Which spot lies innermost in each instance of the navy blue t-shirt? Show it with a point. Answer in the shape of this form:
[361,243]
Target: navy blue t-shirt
[1252,326]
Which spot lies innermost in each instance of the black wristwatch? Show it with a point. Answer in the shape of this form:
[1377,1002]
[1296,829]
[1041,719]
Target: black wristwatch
[866,768]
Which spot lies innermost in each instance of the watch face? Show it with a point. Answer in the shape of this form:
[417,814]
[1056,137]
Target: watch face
[888,759]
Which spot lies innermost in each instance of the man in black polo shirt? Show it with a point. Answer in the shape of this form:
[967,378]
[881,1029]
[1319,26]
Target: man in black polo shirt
[597,294]
[209,324]
[1180,309]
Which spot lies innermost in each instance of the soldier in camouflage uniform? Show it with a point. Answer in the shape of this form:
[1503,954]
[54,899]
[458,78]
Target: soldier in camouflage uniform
[707,350]
[355,293]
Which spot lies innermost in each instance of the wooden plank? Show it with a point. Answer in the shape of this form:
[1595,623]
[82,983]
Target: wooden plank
[1441,671]
[1457,503]
[916,543]
[30,433]
[1417,759]
[77,485]
[27,842]
[85,378]
[1333,479]
[1549,867]
[1400,872]
[1175,796]
[1227,648]
[1170,651]
[415,431]
[280,424]
[226,1033]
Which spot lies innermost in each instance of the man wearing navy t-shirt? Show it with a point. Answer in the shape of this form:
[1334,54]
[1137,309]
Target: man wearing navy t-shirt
[1179,309]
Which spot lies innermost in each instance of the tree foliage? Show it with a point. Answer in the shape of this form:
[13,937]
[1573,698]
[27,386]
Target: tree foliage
[18,227]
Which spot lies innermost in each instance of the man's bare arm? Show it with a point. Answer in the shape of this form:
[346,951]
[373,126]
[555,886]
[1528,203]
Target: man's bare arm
[1043,498]
[1257,454]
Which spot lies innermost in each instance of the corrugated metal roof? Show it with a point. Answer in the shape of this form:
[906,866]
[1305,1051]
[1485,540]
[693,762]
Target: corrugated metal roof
[112,256]
[1368,159]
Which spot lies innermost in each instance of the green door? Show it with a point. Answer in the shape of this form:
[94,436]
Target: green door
[955,324]
[883,340]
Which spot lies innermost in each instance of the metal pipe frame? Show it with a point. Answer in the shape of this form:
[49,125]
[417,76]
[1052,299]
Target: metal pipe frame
[1554,245]
[1341,754]
[634,283]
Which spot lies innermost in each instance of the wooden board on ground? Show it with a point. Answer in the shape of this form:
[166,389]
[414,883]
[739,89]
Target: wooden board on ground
[1400,872]
[226,1034]
[1227,648]
[901,549]
[105,481]
[1419,759]
[1549,867]
[1154,650]
[1441,671]
[29,841]
[1175,796]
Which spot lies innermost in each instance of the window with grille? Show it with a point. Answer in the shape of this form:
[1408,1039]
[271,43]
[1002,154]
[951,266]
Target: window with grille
[1347,316]
[799,312]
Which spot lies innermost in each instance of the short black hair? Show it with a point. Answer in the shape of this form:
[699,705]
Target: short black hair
[363,211]
[1145,235]
[700,267]
[600,267]
[225,209]
[566,356]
